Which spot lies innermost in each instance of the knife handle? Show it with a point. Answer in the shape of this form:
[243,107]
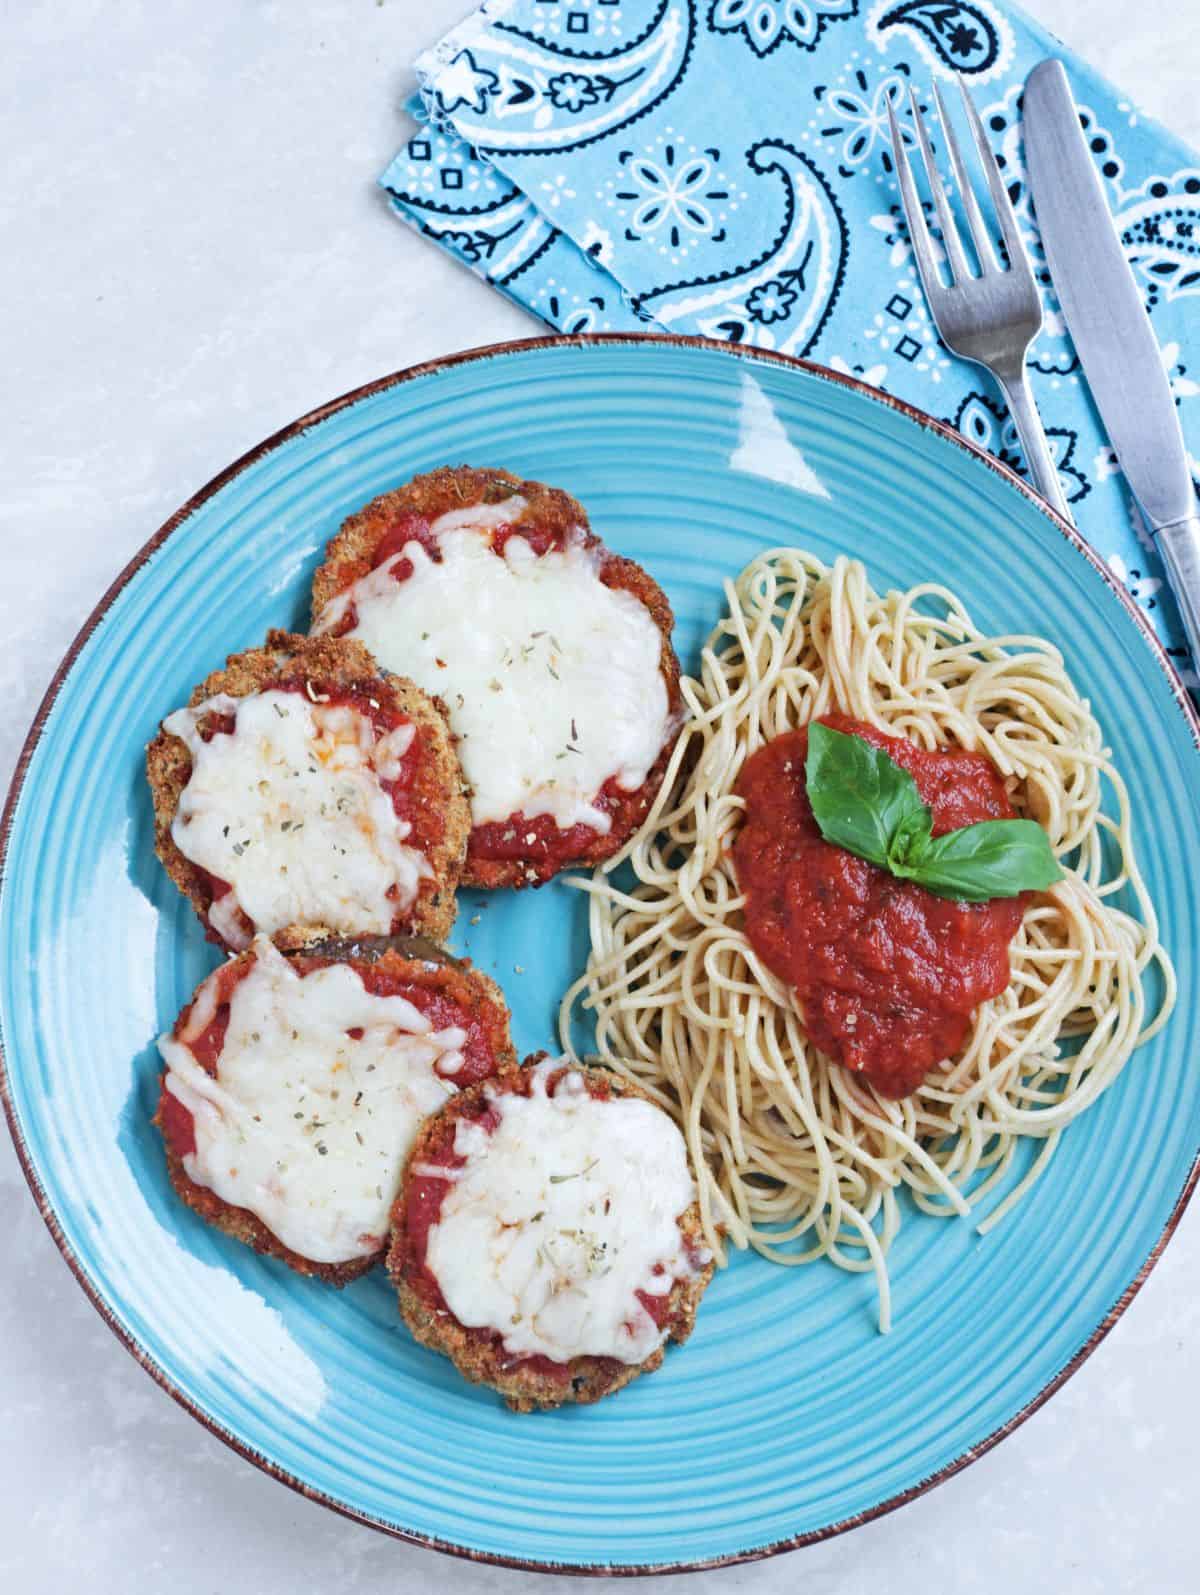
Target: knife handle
[1179,545]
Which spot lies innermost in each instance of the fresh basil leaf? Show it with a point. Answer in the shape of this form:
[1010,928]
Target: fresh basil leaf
[995,858]
[864,801]
[910,843]
[858,795]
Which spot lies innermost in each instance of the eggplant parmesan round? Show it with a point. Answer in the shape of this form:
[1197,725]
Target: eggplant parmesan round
[552,654]
[546,1237]
[295,1084]
[303,791]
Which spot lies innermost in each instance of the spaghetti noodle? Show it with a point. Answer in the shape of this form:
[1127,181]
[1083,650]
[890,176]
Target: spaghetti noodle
[796,1156]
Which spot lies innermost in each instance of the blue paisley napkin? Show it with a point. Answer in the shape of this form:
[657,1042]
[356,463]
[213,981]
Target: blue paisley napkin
[721,167]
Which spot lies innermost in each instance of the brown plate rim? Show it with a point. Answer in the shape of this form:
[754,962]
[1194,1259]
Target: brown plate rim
[275,441]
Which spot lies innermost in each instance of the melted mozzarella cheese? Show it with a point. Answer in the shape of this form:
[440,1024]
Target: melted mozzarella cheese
[304,1125]
[551,678]
[288,808]
[558,1217]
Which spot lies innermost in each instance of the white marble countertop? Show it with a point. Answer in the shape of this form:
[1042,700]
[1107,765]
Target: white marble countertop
[193,255]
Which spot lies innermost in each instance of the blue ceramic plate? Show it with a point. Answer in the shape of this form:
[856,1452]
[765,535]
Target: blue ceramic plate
[787,1416]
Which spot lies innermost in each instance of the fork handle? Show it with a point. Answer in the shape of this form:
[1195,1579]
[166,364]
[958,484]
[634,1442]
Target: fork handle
[1019,397]
[1179,545]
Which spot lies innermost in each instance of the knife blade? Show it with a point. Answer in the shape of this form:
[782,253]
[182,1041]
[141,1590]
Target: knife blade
[1111,328]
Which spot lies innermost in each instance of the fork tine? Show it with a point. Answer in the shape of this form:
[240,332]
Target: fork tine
[918,232]
[1017,258]
[962,181]
[959,270]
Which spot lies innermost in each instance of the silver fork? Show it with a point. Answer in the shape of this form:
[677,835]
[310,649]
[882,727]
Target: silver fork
[993,318]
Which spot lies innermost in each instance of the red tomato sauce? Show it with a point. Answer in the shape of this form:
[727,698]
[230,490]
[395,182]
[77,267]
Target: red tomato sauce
[441,1009]
[539,841]
[178,1125]
[541,539]
[435,1000]
[217,888]
[659,1307]
[216,725]
[427,1192]
[411,527]
[887,973]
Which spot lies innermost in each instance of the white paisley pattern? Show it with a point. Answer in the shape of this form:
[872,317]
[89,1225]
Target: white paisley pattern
[862,118]
[767,23]
[673,195]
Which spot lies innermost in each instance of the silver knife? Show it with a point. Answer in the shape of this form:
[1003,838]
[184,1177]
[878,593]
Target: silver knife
[1111,329]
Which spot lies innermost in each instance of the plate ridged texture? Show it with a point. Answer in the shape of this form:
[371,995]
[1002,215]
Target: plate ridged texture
[786,1413]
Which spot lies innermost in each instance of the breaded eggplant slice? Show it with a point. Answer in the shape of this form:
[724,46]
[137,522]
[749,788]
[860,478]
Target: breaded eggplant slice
[296,1082]
[547,1237]
[552,653]
[302,791]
